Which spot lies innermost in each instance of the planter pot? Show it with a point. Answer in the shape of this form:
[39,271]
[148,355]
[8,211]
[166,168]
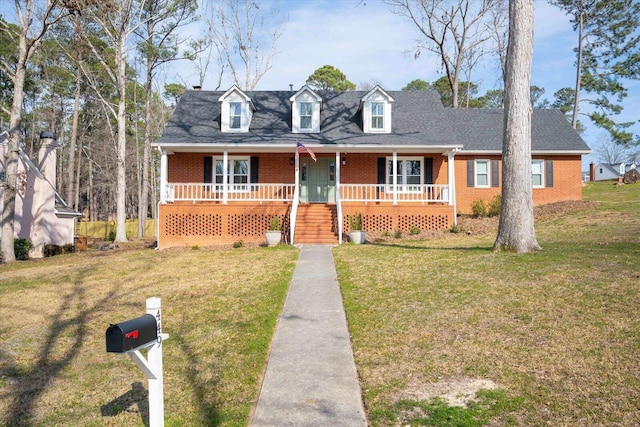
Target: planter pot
[357,237]
[273,238]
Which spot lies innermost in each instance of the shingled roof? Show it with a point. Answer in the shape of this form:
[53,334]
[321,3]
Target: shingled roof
[418,119]
[480,130]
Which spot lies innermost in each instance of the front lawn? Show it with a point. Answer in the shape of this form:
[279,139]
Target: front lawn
[220,309]
[551,337]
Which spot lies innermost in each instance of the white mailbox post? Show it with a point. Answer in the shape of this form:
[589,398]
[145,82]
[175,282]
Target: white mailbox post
[152,366]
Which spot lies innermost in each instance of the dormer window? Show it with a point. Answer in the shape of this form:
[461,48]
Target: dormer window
[305,111]
[377,115]
[235,114]
[376,111]
[306,115]
[236,111]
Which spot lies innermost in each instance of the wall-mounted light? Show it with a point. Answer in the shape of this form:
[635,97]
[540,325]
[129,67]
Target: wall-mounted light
[344,161]
[291,161]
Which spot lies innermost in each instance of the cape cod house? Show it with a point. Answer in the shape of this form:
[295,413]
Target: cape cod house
[41,215]
[231,161]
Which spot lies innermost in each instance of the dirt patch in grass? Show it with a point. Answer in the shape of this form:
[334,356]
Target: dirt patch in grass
[454,391]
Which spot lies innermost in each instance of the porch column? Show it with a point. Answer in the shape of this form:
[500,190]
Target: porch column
[452,183]
[225,177]
[338,200]
[395,177]
[164,193]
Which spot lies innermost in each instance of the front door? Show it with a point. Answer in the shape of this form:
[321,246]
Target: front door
[317,180]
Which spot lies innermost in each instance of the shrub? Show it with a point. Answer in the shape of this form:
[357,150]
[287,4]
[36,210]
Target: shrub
[455,228]
[478,208]
[52,250]
[274,224]
[494,206]
[355,222]
[21,248]
[414,231]
[238,244]
[398,234]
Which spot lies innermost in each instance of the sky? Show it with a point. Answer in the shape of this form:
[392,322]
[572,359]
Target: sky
[368,43]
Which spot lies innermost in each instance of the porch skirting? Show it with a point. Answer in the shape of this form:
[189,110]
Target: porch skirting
[403,217]
[211,223]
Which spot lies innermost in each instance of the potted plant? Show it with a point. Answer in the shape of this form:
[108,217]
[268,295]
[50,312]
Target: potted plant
[356,235]
[275,231]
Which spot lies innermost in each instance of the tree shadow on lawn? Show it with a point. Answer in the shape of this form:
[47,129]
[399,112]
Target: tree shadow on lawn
[31,382]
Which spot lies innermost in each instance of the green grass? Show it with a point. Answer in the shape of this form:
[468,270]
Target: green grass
[220,309]
[557,331]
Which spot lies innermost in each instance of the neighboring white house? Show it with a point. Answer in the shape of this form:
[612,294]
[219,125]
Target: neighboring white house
[611,171]
[41,215]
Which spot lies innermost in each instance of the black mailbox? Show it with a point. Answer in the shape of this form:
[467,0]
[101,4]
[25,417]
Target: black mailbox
[131,334]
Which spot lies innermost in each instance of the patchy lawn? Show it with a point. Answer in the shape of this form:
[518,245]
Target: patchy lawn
[220,309]
[549,338]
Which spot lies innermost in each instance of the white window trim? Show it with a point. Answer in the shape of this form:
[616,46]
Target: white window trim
[475,173]
[300,116]
[233,188]
[232,116]
[402,188]
[542,173]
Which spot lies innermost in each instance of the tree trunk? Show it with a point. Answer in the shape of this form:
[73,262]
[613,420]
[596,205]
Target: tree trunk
[11,161]
[576,101]
[121,186]
[72,143]
[516,231]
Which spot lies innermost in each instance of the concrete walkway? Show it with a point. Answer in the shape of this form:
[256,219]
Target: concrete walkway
[311,378]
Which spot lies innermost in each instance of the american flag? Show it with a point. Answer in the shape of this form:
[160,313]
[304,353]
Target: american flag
[302,149]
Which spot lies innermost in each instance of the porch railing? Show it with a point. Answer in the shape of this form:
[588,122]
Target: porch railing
[285,192]
[235,192]
[424,193]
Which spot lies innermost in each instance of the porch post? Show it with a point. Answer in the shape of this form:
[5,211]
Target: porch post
[163,175]
[395,177]
[338,200]
[452,183]
[225,177]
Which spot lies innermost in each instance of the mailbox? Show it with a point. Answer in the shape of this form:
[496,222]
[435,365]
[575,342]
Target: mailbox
[131,334]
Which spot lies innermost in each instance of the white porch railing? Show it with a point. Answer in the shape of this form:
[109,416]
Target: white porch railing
[235,192]
[285,192]
[384,193]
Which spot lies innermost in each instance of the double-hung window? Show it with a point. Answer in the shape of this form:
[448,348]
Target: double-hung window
[482,173]
[235,115]
[306,115]
[237,171]
[377,115]
[408,174]
[537,173]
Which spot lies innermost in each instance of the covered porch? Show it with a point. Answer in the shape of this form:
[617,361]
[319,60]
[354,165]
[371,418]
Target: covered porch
[408,191]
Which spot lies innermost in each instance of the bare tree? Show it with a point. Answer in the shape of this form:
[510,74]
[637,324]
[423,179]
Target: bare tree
[516,231]
[160,45]
[118,20]
[246,33]
[609,152]
[33,25]
[453,29]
